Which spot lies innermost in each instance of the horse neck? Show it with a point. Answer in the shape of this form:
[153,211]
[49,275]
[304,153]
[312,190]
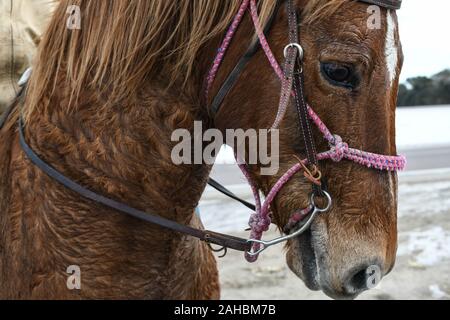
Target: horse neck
[124,150]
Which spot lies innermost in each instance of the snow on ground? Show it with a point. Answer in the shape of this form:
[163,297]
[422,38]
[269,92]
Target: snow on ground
[226,156]
[428,247]
[419,127]
[436,292]
[432,195]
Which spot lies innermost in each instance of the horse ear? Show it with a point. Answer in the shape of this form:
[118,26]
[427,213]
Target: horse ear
[35,38]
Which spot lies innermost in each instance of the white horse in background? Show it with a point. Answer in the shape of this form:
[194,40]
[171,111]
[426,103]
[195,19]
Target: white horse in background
[21,24]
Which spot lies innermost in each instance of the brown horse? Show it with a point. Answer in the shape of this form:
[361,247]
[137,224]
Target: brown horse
[102,104]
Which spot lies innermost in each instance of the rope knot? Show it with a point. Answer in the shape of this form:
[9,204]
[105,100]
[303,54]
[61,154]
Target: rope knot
[338,149]
[259,224]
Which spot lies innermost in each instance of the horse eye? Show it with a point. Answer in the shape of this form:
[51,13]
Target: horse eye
[339,75]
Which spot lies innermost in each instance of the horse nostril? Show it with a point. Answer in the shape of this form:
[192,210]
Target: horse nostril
[363,279]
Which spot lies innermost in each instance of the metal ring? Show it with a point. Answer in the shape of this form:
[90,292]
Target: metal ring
[329,202]
[267,244]
[263,244]
[294,45]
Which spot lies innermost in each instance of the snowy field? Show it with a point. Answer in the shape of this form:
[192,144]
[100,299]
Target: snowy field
[419,127]
[423,264]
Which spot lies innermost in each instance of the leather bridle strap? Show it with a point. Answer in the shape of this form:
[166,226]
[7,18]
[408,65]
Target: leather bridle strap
[226,241]
[292,83]
[388,4]
[216,185]
[298,86]
[227,86]
[232,78]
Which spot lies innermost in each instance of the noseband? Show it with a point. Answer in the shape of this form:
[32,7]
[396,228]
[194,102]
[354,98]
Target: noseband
[292,81]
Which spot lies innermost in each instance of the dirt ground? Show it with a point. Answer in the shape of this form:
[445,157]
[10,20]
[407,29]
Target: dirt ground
[422,269]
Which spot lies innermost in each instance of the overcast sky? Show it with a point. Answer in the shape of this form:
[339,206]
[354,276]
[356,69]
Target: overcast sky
[425,35]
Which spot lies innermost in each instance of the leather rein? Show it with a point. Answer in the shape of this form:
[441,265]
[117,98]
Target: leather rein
[292,85]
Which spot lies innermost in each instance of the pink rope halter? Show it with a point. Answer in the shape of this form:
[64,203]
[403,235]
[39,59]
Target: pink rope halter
[339,150]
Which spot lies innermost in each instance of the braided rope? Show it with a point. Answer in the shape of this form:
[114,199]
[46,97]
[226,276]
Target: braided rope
[224,46]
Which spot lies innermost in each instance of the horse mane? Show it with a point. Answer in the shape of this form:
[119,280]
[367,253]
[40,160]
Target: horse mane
[121,44]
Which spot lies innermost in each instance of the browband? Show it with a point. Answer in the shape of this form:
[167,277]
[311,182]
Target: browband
[388,4]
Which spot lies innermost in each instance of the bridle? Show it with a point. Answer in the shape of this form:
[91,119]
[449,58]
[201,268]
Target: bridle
[292,80]
[291,86]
